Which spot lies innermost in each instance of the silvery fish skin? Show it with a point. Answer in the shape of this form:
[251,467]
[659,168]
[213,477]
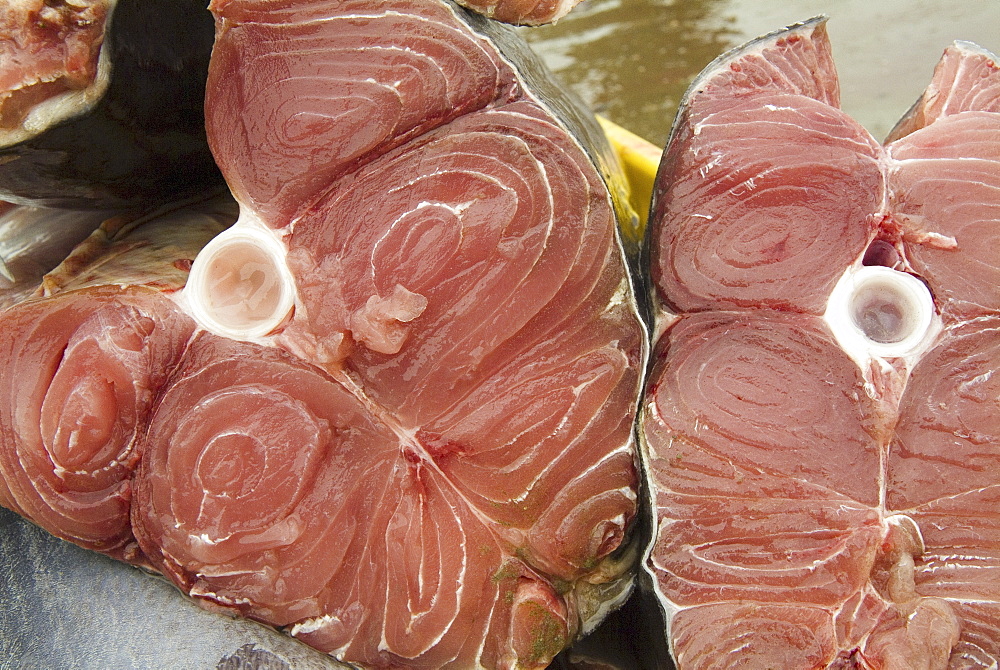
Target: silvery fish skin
[33,241]
[64,607]
[134,136]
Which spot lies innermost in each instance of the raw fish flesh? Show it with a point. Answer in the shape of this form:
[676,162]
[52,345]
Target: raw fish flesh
[101,102]
[82,364]
[524,12]
[821,425]
[457,275]
[392,409]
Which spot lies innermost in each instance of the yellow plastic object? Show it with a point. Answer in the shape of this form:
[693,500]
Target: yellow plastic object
[640,159]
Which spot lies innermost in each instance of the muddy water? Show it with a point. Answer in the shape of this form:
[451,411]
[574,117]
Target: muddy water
[631,60]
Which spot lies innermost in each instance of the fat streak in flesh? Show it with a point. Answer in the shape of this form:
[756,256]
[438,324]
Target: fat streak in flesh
[821,424]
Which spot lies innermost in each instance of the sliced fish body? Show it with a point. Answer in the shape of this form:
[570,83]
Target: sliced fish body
[457,272]
[83,363]
[752,205]
[68,462]
[101,103]
[392,409]
[822,488]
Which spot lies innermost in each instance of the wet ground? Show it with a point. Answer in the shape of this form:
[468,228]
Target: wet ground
[631,60]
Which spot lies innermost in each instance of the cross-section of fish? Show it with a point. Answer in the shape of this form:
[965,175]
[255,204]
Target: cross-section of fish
[392,409]
[432,238]
[821,423]
[83,364]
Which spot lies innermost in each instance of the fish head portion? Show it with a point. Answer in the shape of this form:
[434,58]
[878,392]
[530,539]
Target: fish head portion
[49,50]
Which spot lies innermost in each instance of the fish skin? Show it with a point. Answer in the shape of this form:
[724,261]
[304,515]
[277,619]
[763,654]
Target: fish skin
[51,622]
[143,142]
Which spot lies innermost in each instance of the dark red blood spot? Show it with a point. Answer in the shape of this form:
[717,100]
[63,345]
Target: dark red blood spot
[881,252]
[183,264]
[849,660]
[776,252]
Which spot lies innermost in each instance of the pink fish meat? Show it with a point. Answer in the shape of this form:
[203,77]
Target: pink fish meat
[391,411]
[524,12]
[83,362]
[821,424]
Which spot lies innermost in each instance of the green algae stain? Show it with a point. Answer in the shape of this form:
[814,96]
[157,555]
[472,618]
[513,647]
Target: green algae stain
[561,586]
[508,570]
[548,634]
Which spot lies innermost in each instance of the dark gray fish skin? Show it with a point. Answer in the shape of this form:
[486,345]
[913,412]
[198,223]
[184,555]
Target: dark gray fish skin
[65,607]
[144,142]
[248,657]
